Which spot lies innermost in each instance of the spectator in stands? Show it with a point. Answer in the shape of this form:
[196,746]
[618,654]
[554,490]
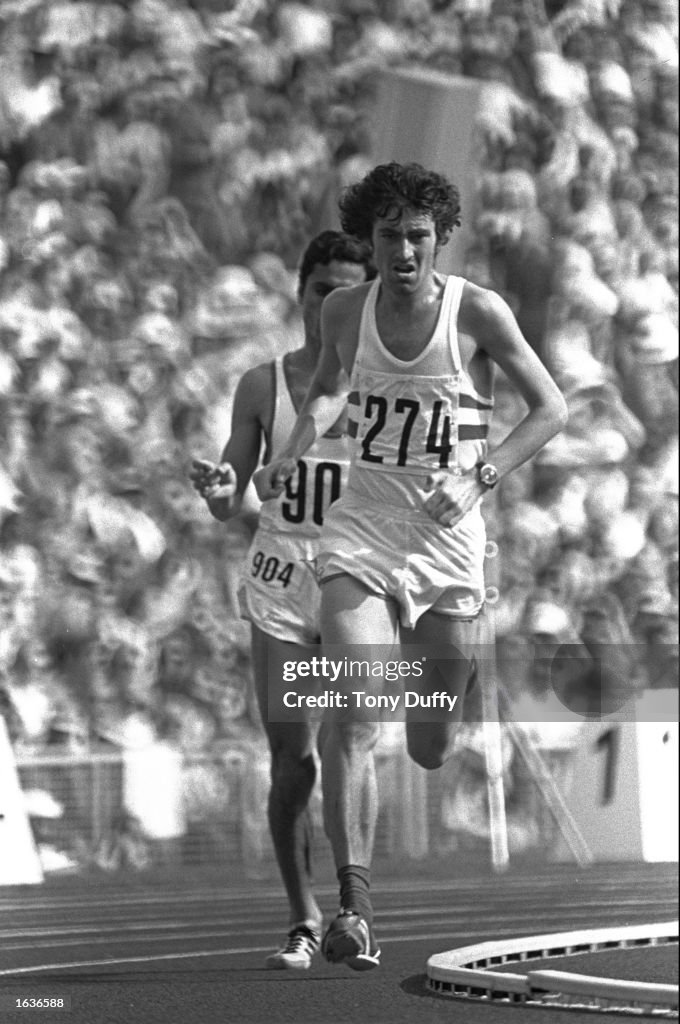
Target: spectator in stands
[98,206]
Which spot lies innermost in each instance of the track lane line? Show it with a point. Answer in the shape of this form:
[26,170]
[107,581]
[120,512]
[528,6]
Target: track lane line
[234,951]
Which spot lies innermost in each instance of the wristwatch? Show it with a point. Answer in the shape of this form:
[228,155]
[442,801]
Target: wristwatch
[487,474]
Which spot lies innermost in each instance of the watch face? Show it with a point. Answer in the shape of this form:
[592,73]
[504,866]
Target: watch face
[488,475]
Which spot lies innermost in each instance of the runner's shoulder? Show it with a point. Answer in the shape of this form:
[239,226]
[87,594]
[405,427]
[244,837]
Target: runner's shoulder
[342,308]
[256,386]
[486,317]
[346,299]
[478,303]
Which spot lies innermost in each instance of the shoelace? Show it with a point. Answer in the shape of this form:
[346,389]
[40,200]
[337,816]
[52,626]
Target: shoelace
[301,939]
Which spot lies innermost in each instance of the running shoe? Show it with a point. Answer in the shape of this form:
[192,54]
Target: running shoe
[302,942]
[350,940]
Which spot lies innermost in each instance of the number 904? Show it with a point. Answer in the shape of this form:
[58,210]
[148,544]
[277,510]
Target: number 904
[268,568]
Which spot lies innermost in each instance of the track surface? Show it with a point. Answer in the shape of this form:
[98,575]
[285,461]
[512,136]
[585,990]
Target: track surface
[191,949]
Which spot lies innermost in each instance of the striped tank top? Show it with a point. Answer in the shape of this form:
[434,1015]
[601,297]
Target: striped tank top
[409,418]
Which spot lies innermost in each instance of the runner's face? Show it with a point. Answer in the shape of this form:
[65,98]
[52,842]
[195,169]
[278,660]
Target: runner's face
[404,250]
[322,280]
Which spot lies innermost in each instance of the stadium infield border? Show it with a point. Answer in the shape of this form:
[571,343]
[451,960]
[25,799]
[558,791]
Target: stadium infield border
[467,972]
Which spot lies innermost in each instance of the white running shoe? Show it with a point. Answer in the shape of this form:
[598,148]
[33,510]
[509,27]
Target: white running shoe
[302,942]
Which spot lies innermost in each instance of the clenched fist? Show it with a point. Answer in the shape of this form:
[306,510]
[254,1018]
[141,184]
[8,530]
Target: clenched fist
[213,481]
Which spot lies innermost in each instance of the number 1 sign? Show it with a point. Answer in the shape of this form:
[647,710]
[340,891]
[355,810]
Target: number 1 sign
[624,790]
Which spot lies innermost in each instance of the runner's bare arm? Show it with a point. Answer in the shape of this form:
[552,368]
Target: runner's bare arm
[489,319]
[222,485]
[323,404]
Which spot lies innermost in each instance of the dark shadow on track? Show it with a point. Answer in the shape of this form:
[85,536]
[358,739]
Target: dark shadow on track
[416,985]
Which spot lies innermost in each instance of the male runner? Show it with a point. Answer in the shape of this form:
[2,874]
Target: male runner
[401,554]
[279,593]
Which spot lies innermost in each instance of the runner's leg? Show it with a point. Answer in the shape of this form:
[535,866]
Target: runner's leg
[293,774]
[352,619]
[431,732]
[358,625]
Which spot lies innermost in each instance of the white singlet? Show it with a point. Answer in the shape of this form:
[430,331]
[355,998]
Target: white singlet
[279,590]
[407,419]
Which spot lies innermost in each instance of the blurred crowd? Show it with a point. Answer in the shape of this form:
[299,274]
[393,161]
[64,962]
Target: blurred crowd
[163,164]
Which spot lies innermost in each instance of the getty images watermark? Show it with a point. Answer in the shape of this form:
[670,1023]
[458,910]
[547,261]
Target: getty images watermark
[329,670]
[550,682]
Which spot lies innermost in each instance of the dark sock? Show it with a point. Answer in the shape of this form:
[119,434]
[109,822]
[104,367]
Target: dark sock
[354,885]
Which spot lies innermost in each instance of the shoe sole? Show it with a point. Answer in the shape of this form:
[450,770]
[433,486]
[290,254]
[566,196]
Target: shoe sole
[364,961]
[272,963]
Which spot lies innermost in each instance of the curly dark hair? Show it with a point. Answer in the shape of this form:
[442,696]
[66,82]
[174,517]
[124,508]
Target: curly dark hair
[389,189]
[333,245]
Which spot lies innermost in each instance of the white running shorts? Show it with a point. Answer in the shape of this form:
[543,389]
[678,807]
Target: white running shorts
[278,590]
[406,556]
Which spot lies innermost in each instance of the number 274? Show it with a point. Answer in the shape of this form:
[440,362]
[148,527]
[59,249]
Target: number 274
[438,436]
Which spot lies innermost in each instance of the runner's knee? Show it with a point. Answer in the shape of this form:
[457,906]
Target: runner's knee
[429,750]
[355,737]
[292,776]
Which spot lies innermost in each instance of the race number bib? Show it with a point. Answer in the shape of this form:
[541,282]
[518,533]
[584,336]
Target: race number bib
[275,572]
[403,432]
[310,491]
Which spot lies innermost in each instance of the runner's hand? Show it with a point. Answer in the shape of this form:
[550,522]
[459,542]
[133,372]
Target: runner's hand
[271,479]
[447,496]
[212,480]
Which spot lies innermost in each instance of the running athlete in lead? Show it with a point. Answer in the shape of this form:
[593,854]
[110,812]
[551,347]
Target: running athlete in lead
[401,555]
[279,593]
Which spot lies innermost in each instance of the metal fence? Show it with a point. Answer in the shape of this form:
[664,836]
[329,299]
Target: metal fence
[136,810]
[141,809]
